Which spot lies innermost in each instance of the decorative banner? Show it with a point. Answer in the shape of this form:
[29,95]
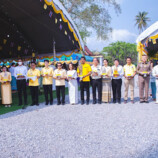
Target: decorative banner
[56,20]
[33,54]
[19,48]
[4,41]
[45,6]
[60,27]
[50,14]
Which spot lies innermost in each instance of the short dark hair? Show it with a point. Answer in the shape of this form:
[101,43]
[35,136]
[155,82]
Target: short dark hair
[46,60]
[106,60]
[13,64]
[83,57]
[129,58]
[59,63]
[116,60]
[4,66]
[33,62]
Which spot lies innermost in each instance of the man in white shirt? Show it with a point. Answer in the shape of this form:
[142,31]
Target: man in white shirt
[96,80]
[20,73]
[117,74]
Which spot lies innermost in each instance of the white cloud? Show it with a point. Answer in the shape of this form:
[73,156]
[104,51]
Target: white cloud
[117,35]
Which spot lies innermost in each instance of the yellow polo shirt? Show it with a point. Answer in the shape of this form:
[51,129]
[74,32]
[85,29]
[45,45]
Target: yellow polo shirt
[32,73]
[86,68]
[47,80]
[129,70]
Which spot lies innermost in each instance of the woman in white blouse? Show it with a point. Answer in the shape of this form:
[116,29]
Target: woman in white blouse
[72,84]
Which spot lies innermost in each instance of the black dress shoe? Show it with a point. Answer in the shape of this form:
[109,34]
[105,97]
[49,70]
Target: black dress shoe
[94,101]
[32,104]
[82,102]
[37,104]
[114,101]
[20,104]
[87,102]
[46,103]
[51,103]
[141,101]
[24,107]
[58,103]
[26,103]
[63,103]
[99,102]
[146,101]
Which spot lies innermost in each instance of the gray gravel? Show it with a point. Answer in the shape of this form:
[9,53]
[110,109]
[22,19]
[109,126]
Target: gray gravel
[94,131]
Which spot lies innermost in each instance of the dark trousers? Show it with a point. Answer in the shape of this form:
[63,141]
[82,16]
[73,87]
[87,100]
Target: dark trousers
[116,88]
[84,86]
[21,86]
[60,90]
[97,85]
[48,91]
[34,94]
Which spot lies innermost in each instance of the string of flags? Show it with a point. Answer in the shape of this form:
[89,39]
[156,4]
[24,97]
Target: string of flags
[56,20]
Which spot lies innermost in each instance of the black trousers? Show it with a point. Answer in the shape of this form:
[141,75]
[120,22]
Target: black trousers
[116,88]
[84,86]
[48,91]
[60,90]
[97,86]
[34,94]
[21,86]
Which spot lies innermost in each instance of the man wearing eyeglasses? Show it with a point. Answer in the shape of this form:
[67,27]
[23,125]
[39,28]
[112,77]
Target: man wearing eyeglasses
[60,76]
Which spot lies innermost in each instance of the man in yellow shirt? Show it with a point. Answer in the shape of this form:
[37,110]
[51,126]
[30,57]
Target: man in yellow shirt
[60,76]
[129,73]
[84,72]
[47,74]
[33,75]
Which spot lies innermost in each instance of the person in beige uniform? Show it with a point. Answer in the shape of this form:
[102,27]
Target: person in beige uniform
[144,70]
[60,76]
[129,74]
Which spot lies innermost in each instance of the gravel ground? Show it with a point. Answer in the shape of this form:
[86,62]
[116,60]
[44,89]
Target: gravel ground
[94,131]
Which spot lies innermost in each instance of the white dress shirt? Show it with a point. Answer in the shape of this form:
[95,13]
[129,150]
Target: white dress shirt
[119,70]
[155,71]
[96,69]
[22,70]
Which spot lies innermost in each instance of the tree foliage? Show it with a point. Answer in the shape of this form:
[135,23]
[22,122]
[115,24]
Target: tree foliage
[91,15]
[120,50]
[141,21]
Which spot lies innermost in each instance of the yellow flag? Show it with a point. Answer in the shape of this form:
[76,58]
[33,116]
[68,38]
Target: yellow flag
[45,6]
[4,41]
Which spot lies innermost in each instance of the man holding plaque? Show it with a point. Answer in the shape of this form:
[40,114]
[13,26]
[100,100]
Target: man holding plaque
[144,70]
[20,74]
[47,74]
[96,80]
[129,73]
[117,74]
[33,75]
[60,76]
[84,72]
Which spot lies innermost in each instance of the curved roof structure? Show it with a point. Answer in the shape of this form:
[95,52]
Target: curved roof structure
[33,25]
[150,31]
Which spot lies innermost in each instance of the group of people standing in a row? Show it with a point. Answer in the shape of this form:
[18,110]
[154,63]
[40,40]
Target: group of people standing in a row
[103,78]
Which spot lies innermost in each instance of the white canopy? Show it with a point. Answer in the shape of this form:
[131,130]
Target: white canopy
[150,31]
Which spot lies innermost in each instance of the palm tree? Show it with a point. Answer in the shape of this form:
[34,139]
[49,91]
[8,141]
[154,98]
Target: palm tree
[141,20]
